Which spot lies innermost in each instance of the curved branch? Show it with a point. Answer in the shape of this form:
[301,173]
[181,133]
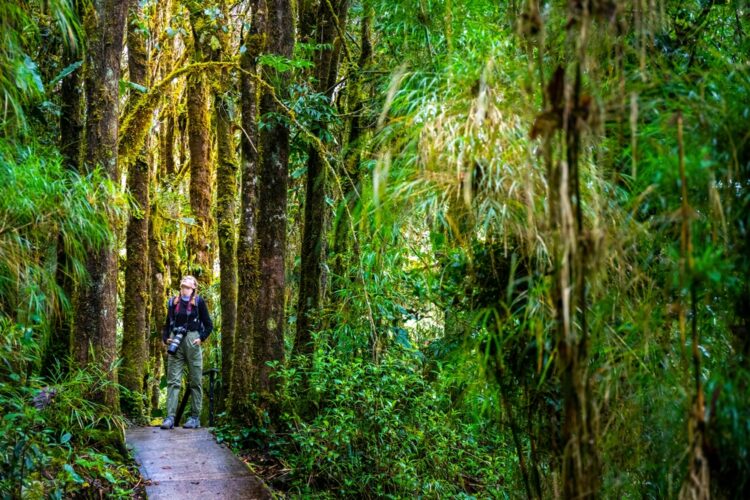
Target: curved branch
[135,124]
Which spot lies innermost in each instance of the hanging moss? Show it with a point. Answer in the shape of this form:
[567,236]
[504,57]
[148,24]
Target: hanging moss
[136,124]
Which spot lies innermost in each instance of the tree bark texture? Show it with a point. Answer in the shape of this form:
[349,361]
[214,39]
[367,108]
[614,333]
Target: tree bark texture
[71,132]
[199,141]
[200,177]
[158,269]
[158,298]
[71,114]
[226,212]
[96,304]
[247,244]
[274,140]
[326,69]
[167,139]
[136,304]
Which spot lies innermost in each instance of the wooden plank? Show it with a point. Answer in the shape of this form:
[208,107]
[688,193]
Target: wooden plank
[190,464]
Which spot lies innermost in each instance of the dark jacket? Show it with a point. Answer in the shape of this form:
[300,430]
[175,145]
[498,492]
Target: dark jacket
[199,319]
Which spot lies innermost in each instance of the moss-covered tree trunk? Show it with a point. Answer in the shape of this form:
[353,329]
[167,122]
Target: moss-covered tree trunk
[71,133]
[159,278]
[247,244]
[167,139]
[226,212]
[136,304]
[199,142]
[274,166]
[71,113]
[157,281]
[96,301]
[311,252]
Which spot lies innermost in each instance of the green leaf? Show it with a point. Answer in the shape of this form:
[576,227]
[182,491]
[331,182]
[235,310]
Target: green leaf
[126,84]
[65,72]
[65,438]
[33,71]
[69,469]
[214,43]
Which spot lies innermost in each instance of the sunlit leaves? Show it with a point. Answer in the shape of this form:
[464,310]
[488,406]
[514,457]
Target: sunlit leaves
[282,64]
[40,198]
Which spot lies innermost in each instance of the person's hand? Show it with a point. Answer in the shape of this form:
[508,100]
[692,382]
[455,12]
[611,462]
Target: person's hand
[197,342]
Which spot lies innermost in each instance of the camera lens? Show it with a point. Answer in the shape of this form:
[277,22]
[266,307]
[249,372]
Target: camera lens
[174,344]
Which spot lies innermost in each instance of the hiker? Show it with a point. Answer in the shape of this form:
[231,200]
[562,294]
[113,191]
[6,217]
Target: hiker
[187,327]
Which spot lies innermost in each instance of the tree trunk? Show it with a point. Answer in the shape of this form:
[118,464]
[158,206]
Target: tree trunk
[96,302]
[167,141]
[326,70]
[136,306]
[199,241]
[243,368]
[158,280]
[274,140]
[71,114]
[580,465]
[226,211]
[342,239]
[159,271]
[71,131]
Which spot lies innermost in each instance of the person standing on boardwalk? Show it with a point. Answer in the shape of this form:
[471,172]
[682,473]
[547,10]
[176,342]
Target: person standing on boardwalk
[187,327]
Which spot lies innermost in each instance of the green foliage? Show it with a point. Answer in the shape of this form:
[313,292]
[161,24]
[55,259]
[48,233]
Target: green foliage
[21,27]
[436,364]
[382,430]
[54,441]
[40,198]
[283,64]
[455,220]
[729,437]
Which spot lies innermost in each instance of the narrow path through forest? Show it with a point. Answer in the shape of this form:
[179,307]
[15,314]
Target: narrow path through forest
[190,464]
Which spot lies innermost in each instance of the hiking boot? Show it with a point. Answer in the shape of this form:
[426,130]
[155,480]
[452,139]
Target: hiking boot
[192,423]
[167,423]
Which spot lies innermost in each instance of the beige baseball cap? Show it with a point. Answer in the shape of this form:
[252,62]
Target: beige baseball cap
[189,281]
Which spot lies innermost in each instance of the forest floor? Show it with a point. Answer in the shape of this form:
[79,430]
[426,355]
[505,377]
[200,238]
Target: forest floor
[190,464]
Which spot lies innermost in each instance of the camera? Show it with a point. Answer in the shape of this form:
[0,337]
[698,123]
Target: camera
[177,334]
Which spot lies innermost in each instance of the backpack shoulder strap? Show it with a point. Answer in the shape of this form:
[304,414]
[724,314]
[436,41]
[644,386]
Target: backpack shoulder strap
[170,310]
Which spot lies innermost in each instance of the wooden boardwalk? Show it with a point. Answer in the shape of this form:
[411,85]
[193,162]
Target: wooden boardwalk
[189,464]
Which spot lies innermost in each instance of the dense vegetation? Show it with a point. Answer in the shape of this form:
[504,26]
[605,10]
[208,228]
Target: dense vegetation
[452,248]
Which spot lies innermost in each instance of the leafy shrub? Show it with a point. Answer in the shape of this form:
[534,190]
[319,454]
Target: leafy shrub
[383,430]
[54,441]
[39,198]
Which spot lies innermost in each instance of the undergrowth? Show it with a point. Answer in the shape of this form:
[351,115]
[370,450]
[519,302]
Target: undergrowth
[54,441]
[382,430]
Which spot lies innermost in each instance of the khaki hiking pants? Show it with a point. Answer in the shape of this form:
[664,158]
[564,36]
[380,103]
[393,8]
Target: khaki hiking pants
[192,355]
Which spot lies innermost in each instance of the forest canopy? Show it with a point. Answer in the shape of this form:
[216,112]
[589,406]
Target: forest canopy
[450,248]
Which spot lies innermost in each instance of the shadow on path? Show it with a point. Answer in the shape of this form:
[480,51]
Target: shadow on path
[189,464]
